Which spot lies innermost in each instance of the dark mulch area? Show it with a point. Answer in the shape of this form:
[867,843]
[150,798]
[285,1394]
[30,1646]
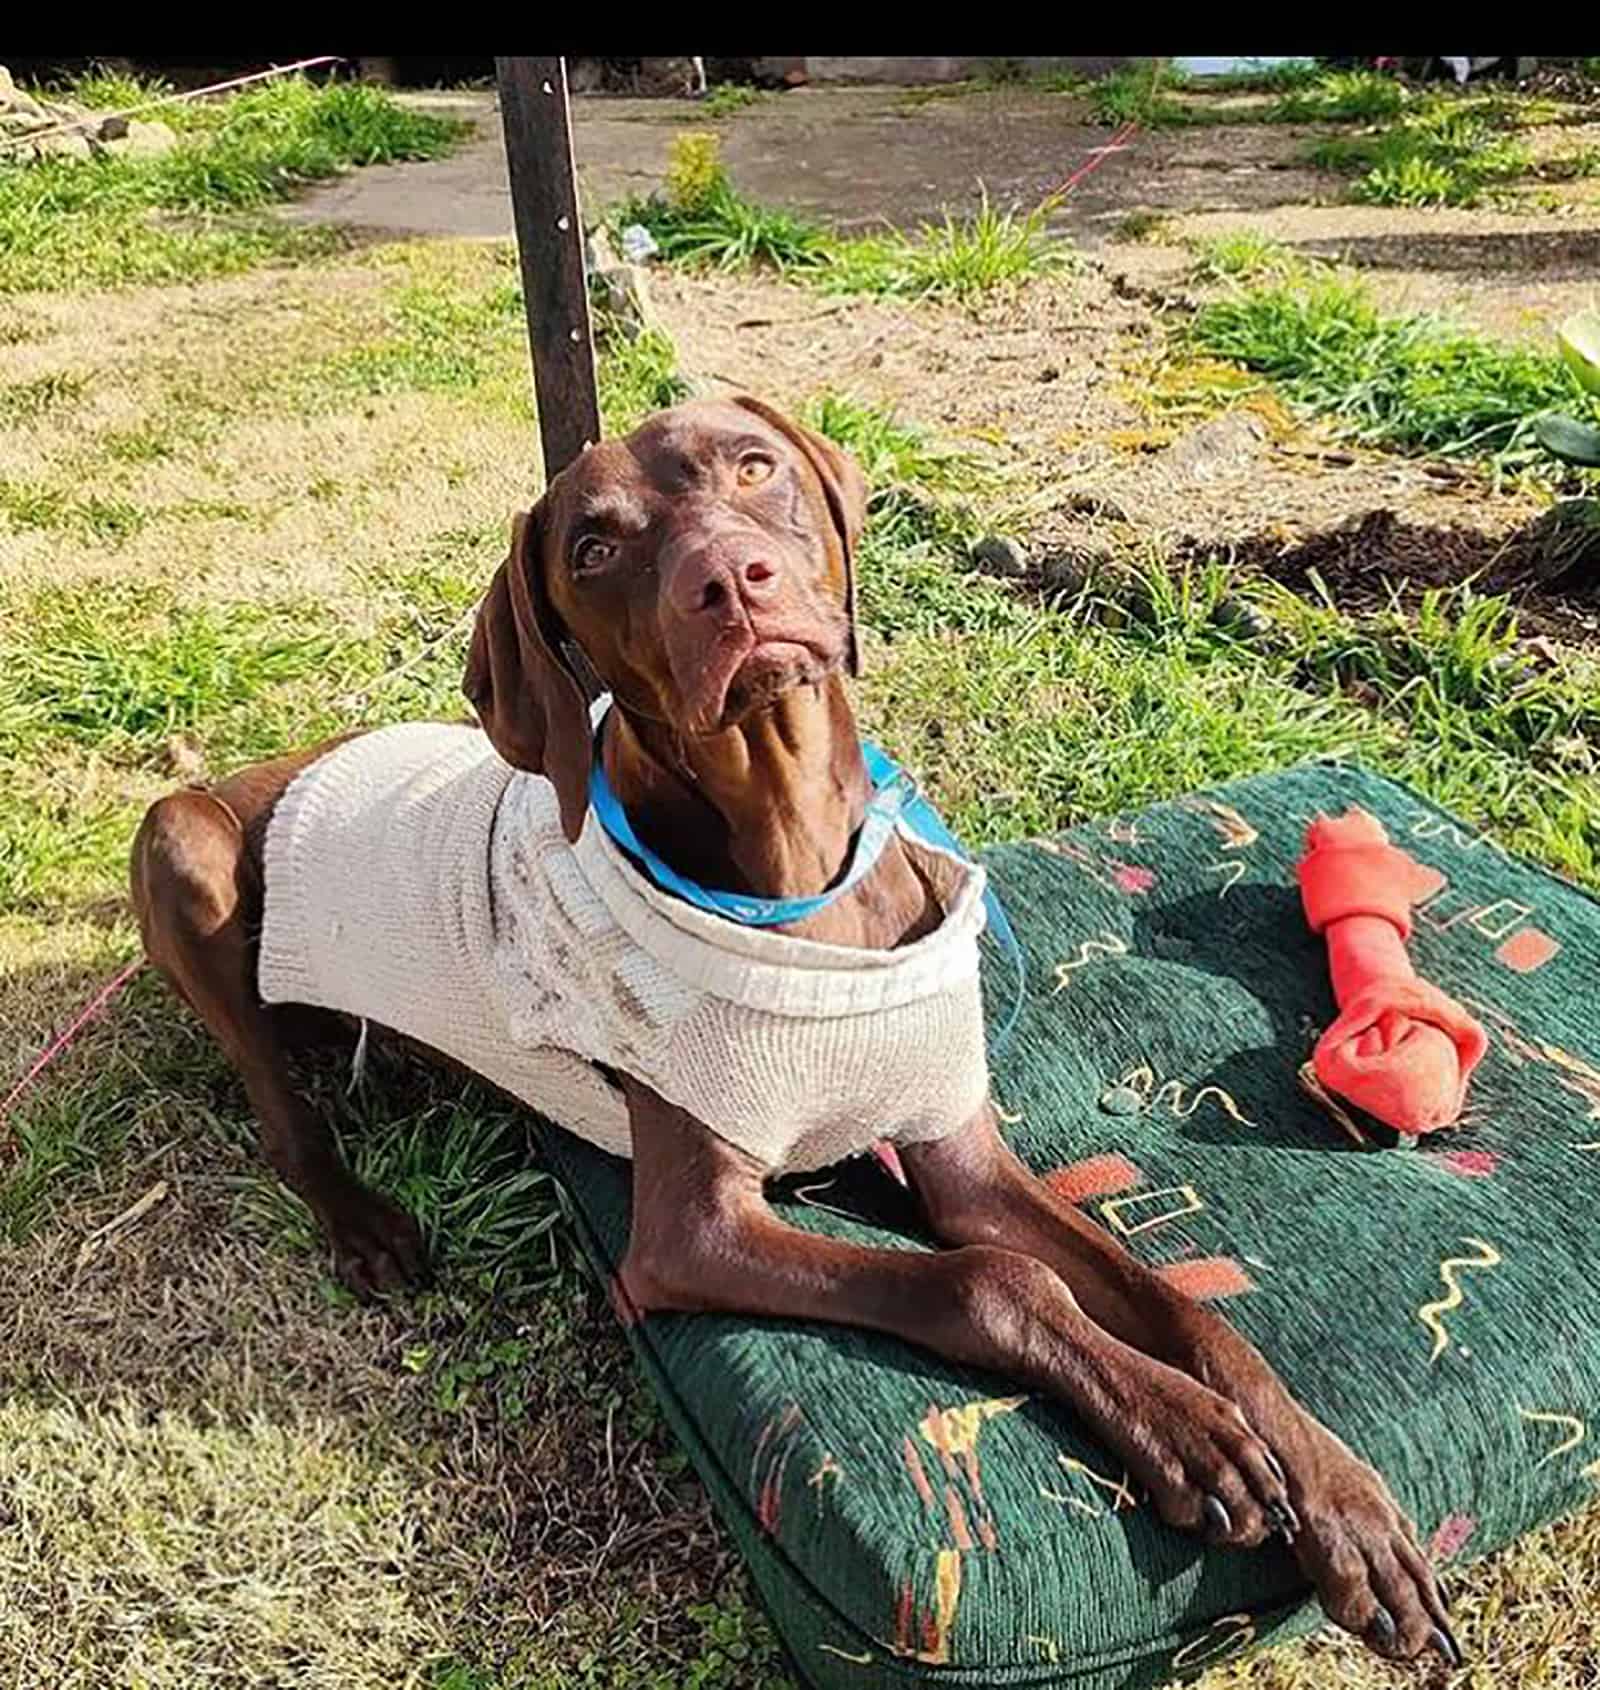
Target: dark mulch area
[1366,561]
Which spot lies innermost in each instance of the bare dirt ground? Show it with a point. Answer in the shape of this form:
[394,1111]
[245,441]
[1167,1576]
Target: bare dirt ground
[1068,394]
[1056,388]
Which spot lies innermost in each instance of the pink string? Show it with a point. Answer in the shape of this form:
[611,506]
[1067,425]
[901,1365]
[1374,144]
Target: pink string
[64,1041]
[1097,156]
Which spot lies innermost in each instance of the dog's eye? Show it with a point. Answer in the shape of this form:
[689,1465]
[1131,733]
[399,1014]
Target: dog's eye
[594,553]
[755,469]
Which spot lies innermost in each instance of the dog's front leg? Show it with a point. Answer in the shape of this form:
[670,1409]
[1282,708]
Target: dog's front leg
[1353,1542]
[704,1239]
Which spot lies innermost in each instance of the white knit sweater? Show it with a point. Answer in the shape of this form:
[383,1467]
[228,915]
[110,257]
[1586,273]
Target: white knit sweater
[413,878]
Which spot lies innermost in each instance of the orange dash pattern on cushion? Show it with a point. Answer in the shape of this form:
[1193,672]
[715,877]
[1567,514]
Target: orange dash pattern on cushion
[1095,1176]
[1207,1278]
[1527,949]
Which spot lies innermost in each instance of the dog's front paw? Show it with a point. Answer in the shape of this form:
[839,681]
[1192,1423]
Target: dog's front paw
[377,1246]
[1361,1553]
[1204,1465]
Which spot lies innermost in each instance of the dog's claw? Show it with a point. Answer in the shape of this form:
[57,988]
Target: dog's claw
[1286,1520]
[1219,1522]
[1382,1633]
[1446,1645]
[1276,1468]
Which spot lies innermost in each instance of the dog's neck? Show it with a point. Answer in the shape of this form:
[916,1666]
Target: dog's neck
[768,807]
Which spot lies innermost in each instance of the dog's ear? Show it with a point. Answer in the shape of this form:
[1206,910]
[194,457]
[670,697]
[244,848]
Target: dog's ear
[846,490]
[528,700]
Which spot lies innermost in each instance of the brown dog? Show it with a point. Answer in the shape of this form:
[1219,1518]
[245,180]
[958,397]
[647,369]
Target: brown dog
[703,568]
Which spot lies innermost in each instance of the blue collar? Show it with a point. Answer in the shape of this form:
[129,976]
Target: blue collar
[895,802]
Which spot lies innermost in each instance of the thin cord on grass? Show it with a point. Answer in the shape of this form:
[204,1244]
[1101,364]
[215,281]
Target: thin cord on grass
[69,124]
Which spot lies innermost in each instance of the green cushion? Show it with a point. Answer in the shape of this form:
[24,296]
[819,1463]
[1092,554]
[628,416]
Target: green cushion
[1435,1305]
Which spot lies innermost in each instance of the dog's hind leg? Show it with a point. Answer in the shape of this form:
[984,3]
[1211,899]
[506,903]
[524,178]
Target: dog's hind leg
[197,892]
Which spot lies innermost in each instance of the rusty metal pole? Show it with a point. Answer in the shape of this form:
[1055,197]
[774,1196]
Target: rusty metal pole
[544,199]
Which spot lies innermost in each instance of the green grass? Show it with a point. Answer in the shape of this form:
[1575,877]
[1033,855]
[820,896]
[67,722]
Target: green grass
[1146,92]
[1413,383]
[1574,166]
[1024,720]
[1244,257]
[1455,654]
[1344,96]
[441,340]
[1142,224]
[1444,149]
[731,233]
[30,505]
[957,258]
[639,375]
[1447,153]
[729,98]
[702,221]
[76,1133]
[119,671]
[107,674]
[1285,78]
[25,401]
[1135,94]
[731,1648]
[486,1415]
[142,443]
[458,1159]
[995,76]
[196,211]
[724,231]
[56,844]
[917,488]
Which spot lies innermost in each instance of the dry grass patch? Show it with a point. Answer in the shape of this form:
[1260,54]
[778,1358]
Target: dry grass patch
[220,442]
[167,1551]
[1529,1619]
[294,1490]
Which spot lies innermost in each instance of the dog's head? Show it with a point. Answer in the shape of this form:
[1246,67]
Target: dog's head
[703,565]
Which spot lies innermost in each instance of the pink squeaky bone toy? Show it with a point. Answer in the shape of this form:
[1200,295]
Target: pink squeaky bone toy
[1400,1049]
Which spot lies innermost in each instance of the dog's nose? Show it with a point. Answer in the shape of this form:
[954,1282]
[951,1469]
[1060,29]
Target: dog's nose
[715,584]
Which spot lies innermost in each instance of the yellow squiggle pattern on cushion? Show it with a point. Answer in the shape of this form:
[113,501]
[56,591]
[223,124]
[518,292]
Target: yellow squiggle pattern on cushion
[1577,1428]
[1172,1093]
[1107,945]
[1429,1314]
